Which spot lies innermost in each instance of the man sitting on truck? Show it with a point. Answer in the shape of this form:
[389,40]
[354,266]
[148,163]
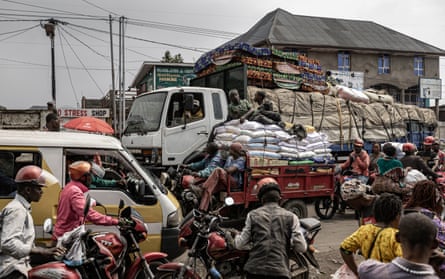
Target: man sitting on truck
[221,178]
[263,113]
[237,107]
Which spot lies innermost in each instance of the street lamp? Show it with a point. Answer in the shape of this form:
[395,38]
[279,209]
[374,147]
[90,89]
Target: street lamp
[50,28]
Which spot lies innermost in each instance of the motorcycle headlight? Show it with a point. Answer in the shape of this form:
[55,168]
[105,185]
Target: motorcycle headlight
[173,219]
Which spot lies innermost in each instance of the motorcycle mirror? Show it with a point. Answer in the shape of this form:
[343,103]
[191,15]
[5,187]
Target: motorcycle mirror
[121,204]
[48,226]
[87,206]
[229,201]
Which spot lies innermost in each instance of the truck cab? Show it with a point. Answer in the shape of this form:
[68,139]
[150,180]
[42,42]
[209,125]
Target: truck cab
[163,131]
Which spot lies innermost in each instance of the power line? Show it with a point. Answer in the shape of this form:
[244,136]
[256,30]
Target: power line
[145,40]
[19,32]
[68,70]
[114,45]
[99,7]
[86,45]
[83,65]
[47,8]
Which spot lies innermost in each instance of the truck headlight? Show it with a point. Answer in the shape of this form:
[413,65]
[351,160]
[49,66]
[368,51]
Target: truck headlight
[173,219]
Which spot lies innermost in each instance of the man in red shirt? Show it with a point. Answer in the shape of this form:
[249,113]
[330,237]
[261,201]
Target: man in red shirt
[358,162]
[72,202]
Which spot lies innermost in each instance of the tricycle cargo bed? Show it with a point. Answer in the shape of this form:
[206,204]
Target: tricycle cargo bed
[305,182]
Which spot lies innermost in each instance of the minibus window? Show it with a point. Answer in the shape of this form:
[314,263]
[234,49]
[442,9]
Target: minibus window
[10,163]
[115,172]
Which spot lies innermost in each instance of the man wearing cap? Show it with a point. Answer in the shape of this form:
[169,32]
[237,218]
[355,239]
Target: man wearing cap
[231,174]
[427,153]
[211,161]
[17,226]
[72,202]
[196,112]
[439,160]
[358,162]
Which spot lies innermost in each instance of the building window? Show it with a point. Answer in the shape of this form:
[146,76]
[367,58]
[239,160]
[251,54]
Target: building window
[418,66]
[384,64]
[344,61]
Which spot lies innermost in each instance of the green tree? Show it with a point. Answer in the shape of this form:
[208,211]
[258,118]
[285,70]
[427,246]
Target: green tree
[169,59]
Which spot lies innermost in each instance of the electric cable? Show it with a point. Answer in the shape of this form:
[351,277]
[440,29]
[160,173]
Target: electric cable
[68,69]
[20,33]
[86,45]
[84,67]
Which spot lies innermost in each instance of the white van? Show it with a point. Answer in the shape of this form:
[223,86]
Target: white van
[53,151]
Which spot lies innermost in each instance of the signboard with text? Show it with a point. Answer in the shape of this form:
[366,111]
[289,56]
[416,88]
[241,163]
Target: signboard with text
[349,79]
[76,112]
[173,76]
[430,88]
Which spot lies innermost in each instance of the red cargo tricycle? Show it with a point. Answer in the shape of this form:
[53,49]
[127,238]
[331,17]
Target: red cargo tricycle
[300,183]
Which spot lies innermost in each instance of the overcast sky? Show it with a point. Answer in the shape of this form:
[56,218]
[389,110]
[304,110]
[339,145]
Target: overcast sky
[83,51]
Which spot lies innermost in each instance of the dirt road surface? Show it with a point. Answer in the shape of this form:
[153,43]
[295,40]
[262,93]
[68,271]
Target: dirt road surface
[328,241]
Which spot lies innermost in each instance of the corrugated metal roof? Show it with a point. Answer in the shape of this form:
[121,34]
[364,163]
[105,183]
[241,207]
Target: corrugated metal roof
[282,28]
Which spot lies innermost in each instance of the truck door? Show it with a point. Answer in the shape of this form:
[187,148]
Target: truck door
[185,131]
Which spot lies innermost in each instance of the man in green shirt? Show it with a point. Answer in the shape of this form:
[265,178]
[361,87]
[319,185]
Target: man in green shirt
[237,107]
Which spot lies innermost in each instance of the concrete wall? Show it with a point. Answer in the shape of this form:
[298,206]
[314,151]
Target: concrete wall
[401,71]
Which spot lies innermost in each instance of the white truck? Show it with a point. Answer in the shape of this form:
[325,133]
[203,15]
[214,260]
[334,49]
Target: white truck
[159,134]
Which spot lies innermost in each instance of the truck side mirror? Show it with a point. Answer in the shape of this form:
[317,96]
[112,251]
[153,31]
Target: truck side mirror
[188,102]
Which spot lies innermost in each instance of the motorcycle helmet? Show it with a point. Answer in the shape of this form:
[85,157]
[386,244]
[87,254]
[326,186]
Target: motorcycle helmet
[265,185]
[429,140]
[409,147]
[358,142]
[31,175]
[79,169]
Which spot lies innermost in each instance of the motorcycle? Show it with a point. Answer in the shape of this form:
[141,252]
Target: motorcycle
[206,238]
[178,182]
[103,254]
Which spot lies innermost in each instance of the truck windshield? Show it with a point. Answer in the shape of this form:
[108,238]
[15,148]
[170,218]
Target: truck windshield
[146,112]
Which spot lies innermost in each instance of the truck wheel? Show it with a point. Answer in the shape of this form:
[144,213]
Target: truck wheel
[298,207]
[326,207]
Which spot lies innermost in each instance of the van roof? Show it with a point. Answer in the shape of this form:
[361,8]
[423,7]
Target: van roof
[52,139]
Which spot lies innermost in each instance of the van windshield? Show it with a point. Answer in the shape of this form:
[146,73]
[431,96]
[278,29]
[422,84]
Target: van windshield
[145,114]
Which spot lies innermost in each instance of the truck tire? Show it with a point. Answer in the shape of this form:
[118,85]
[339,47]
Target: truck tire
[326,207]
[298,207]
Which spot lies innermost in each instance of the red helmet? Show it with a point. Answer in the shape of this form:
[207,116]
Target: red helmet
[429,140]
[30,174]
[187,180]
[409,147]
[358,142]
[79,169]
[265,185]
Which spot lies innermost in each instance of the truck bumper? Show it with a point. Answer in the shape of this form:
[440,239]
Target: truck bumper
[169,243]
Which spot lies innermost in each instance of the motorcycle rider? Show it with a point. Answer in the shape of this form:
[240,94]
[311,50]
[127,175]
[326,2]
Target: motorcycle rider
[231,175]
[270,231]
[17,226]
[427,154]
[72,202]
[203,168]
[439,160]
[415,161]
[358,162]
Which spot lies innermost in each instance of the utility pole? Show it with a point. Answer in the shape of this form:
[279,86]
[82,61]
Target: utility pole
[50,28]
[113,93]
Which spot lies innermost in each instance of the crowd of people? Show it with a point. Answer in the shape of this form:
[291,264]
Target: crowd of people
[406,239]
